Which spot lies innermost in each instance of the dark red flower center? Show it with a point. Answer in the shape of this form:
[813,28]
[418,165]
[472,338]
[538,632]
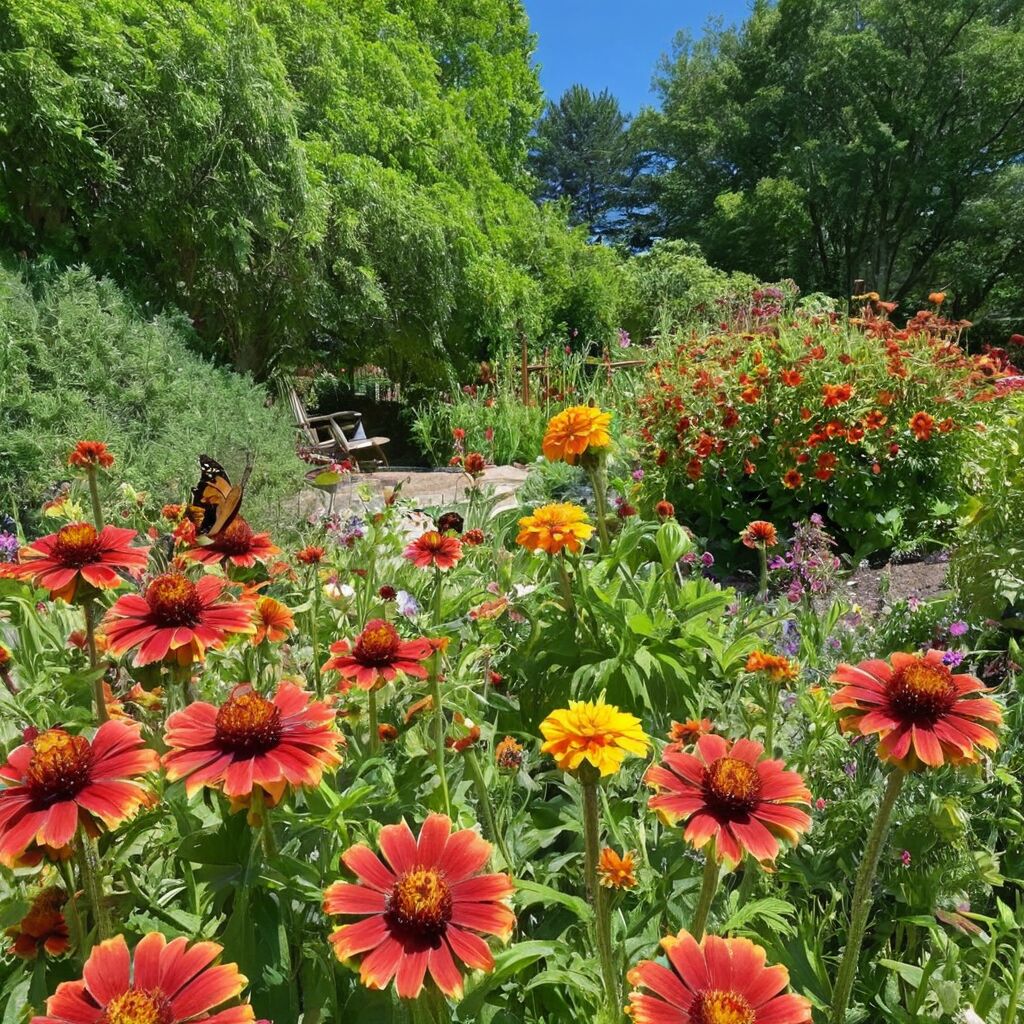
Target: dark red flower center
[77,544]
[248,724]
[138,1006]
[922,692]
[732,785]
[715,1006]
[174,600]
[60,767]
[237,539]
[421,901]
[377,644]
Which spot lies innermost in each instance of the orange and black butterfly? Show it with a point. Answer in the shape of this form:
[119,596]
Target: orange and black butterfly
[215,500]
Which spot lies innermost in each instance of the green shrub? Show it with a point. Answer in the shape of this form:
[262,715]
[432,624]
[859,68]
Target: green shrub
[80,362]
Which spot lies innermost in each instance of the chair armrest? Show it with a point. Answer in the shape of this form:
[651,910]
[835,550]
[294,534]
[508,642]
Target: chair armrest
[345,415]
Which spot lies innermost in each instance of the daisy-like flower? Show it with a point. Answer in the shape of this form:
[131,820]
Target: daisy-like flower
[78,553]
[58,781]
[378,655]
[168,983]
[420,909]
[578,429]
[778,668]
[250,742]
[43,929]
[727,792]
[715,981]
[310,555]
[792,479]
[434,549]
[176,620]
[592,732]
[665,509]
[685,733]
[759,533]
[87,454]
[921,711]
[273,620]
[237,545]
[554,528]
[921,425]
[616,872]
[508,754]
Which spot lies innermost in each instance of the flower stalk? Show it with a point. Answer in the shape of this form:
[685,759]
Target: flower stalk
[88,608]
[92,882]
[484,799]
[374,735]
[708,888]
[762,586]
[94,494]
[435,690]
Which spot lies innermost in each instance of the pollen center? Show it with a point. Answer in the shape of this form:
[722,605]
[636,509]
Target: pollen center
[377,643]
[923,692]
[717,1007]
[421,900]
[77,544]
[248,724]
[174,600]
[60,766]
[732,784]
[138,1006]
[236,539]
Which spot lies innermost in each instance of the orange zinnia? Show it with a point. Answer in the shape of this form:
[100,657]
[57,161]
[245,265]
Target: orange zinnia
[377,656]
[836,394]
[574,431]
[554,528]
[237,545]
[922,425]
[759,534]
[274,621]
[616,872]
[58,781]
[434,549]
[728,793]
[421,909]
[921,712]
[684,733]
[77,553]
[775,666]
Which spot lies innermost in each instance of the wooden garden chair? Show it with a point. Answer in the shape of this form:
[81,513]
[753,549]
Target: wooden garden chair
[345,436]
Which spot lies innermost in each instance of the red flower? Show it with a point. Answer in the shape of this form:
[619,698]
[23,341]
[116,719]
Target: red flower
[176,620]
[76,552]
[310,555]
[684,733]
[473,538]
[728,793]
[377,656]
[921,424]
[791,378]
[921,711]
[434,549]
[237,545]
[715,981]
[836,394]
[43,928]
[792,479]
[665,509]
[387,733]
[57,781]
[759,534]
[421,909]
[251,742]
[826,466]
[86,454]
[273,621]
[171,983]
[474,464]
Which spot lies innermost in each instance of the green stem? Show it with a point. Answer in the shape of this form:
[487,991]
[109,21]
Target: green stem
[589,777]
[567,597]
[92,882]
[750,873]
[1011,1006]
[769,722]
[90,639]
[374,736]
[860,905]
[708,888]
[596,475]
[94,493]
[314,637]
[484,798]
[435,683]
[76,929]
[762,588]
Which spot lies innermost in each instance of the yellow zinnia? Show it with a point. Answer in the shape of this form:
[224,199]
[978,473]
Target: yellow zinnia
[575,430]
[553,527]
[598,733]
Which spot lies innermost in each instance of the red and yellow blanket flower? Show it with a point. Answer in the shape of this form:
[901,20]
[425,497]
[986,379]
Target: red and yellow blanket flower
[176,620]
[592,732]
[434,550]
[555,528]
[422,907]
[250,742]
[715,981]
[576,430]
[729,793]
[615,872]
[759,533]
[273,621]
[684,733]
[78,553]
[43,929]
[88,454]
[920,710]
[377,656]
[163,983]
[58,781]
[237,545]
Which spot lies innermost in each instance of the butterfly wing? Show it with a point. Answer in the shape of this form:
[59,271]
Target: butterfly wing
[230,502]
[210,495]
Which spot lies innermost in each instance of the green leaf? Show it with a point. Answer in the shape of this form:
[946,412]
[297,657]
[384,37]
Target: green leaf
[528,893]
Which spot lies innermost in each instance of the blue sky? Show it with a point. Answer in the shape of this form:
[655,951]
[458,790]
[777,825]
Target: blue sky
[615,44]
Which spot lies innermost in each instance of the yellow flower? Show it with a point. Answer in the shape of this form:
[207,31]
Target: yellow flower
[554,527]
[597,733]
[616,872]
[575,430]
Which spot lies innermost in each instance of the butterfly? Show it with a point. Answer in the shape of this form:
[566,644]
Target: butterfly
[215,500]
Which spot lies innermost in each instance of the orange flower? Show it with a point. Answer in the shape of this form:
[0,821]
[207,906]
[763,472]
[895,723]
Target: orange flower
[921,424]
[61,561]
[750,395]
[729,794]
[616,872]
[273,620]
[826,466]
[387,733]
[474,464]
[665,509]
[778,668]
[554,528]
[473,538]
[434,549]
[172,513]
[87,454]
[251,742]
[377,656]
[422,909]
[592,732]
[937,298]
[836,394]
[684,733]
[792,479]
[791,378]
[58,781]
[175,620]
[576,430]
[171,983]
[311,555]
[508,755]
[43,928]
[236,545]
[759,534]
[921,712]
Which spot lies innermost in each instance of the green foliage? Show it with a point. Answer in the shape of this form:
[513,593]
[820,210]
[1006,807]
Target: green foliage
[81,363]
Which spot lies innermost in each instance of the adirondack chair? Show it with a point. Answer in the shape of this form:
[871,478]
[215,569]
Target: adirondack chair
[337,444]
